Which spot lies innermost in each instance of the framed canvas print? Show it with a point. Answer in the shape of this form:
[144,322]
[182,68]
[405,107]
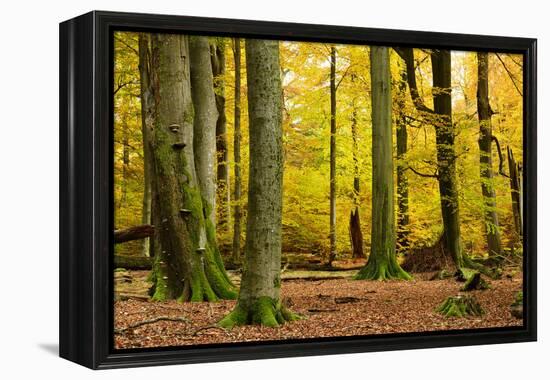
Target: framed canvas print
[237,189]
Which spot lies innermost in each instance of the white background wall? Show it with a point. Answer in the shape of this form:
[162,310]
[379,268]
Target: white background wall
[29,191]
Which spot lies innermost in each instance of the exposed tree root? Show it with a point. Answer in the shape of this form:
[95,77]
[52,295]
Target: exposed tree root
[264,311]
[460,306]
[388,270]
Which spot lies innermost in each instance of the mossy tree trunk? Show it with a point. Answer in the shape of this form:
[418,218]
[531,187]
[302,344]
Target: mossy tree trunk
[485,141]
[187,264]
[217,55]
[146,124]
[259,298]
[382,263]
[204,122]
[237,152]
[332,214]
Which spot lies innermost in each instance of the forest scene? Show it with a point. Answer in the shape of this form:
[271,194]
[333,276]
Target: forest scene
[269,190]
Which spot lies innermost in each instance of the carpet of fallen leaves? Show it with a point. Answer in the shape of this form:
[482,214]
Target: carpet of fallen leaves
[331,307]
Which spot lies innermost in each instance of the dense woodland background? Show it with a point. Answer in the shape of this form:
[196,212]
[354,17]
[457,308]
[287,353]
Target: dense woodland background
[306,81]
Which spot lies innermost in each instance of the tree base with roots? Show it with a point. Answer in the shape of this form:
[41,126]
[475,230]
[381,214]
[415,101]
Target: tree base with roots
[264,311]
[382,271]
[460,306]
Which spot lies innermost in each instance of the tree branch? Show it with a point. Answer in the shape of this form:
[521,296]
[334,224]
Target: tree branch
[500,158]
[407,55]
[512,78]
[149,321]
[435,175]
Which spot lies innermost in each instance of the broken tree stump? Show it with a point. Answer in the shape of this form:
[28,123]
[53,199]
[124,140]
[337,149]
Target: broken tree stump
[460,306]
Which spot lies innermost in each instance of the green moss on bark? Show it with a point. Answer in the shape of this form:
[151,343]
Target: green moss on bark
[265,311]
[460,306]
[382,269]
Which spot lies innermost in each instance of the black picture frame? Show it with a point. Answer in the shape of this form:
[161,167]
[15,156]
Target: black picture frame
[86,187]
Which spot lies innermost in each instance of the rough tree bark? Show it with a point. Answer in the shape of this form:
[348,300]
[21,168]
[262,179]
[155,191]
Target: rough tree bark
[259,298]
[446,158]
[217,54]
[402,180]
[484,113]
[332,233]
[382,263]
[187,263]
[356,236]
[237,152]
[146,125]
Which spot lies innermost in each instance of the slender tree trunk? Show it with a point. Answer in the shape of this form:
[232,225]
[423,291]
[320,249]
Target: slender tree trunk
[187,263]
[402,180]
[259,298]
[125,163]
[237,152]
[515,191]
[217,54]
[332,253]
[382,263]
[484,113]
[446,158]
[356,235]
[146,125]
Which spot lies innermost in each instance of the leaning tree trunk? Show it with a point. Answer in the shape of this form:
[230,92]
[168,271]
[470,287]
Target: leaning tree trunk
[332,233]
[237,152]
[356,235]
[146,125]
[259,298]
[402,180]
[484,113]
[187,265]
[382,264]
[217,54]
[446,158]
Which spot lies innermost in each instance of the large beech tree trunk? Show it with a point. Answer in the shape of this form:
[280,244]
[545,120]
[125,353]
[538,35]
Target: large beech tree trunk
[259,298]
[332,216]
[187,263]
[204,122]
[146,125]
[217,55]
[441,118]
[382,263]
[446,158]
[484,113]
[237,152]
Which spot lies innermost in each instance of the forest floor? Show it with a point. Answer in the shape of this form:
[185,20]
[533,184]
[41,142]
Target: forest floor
[331,303]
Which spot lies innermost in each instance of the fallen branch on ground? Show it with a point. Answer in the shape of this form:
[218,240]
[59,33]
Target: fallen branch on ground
[149,321]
